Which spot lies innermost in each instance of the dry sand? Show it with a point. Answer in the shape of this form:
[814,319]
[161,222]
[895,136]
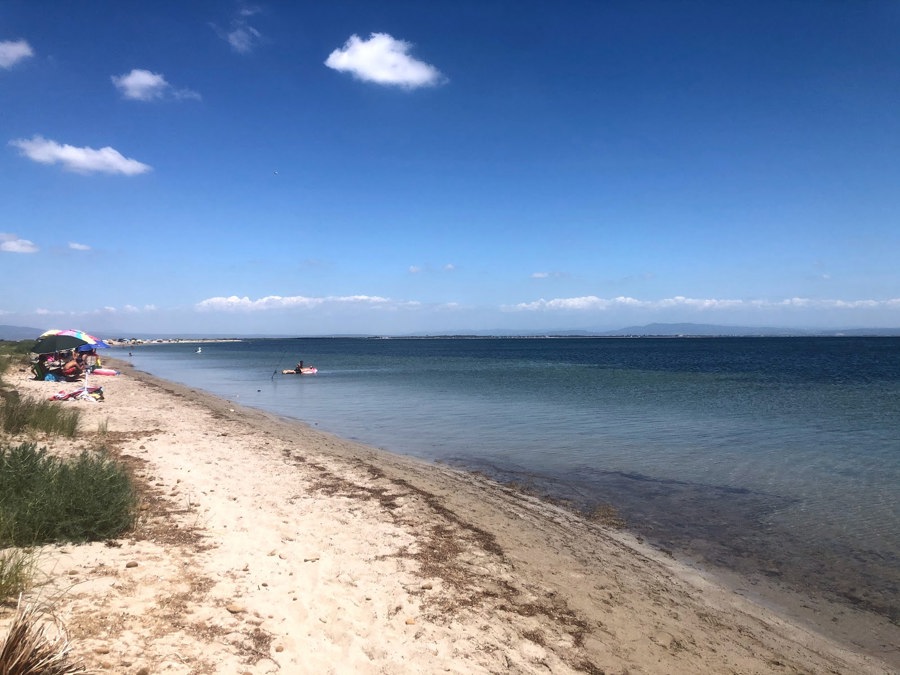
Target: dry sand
[266,546]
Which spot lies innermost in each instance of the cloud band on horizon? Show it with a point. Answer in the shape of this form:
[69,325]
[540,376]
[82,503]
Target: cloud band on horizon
[275,302]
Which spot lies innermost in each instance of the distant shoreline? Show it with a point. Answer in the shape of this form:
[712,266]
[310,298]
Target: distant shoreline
[659,330]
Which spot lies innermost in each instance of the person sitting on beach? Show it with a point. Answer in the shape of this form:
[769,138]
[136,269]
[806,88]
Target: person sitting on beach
[72,369]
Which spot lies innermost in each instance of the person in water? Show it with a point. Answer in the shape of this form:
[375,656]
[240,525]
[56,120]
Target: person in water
[299,367]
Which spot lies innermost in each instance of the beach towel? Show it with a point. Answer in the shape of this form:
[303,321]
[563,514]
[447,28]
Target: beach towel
[94,394]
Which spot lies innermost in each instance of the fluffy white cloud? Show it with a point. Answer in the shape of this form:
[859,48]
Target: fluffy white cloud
[142,85]
[79,247]
[13,51]
[383,60]
[414,269]
[81,160]
[11,243]
[593,303]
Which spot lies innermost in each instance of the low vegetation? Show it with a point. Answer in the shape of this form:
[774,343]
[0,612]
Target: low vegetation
[45,499]
[17,569]
[18,415]
[30,650]
[48,499]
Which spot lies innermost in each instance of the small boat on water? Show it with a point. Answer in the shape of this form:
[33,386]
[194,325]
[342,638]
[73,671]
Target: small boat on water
[306,370]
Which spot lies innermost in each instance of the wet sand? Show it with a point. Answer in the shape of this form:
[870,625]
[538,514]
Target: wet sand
[267,546]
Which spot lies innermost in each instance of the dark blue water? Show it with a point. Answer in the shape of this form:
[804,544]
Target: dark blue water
[778,456]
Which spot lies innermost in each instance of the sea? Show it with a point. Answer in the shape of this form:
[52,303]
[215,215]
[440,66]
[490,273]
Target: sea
[776,458]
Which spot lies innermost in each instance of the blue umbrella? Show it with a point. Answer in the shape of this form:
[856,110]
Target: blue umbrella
[89,348]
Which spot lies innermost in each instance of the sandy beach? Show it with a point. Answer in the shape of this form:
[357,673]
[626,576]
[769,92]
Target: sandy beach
[266,546]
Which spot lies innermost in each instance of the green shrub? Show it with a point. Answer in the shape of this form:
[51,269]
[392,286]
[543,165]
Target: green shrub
[14,353]
[18,414]
[16,346]
[45,499]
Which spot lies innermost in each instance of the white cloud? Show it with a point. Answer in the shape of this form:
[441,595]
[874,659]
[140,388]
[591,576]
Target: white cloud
[11,243]
[449,267]
[414,269]
[80,160]
[79,247]
[242,37]
[383,60]
[273,302]
[594,303]
[11,52]
[142,85]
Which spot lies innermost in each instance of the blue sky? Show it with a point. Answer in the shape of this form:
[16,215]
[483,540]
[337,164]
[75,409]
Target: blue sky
[310,168]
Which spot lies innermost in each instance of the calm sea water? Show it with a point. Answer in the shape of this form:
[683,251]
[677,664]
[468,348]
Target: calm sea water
[775,456]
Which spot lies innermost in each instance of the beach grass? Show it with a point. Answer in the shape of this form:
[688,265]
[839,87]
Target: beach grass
[29,649]
[17,571]
[20,414]
[46,499]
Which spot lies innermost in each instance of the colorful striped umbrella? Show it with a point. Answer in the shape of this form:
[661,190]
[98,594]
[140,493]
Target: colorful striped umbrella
[55,340]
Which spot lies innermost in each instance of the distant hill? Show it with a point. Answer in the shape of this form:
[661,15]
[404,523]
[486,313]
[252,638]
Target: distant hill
[671,330]
[712,330]
[19,333]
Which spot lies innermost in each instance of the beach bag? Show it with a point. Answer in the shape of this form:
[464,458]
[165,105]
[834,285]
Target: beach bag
[50,377]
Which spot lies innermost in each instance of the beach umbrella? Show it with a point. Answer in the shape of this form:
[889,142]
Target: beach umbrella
[55,340]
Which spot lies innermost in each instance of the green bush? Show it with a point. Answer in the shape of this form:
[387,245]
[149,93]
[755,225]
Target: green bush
[18,414]
[16,346]
[45,499]
[14,353]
